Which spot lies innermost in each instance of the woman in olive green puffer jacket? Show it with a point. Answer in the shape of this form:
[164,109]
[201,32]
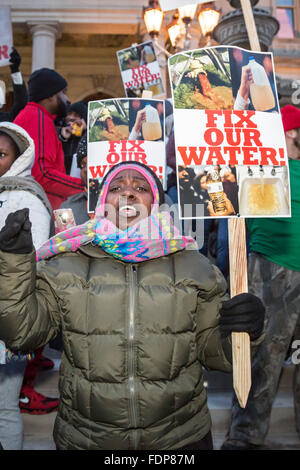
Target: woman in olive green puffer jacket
[139,320]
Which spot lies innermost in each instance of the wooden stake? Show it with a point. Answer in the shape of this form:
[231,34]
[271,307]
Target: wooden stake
[241,360]
[241,354]
[250,25]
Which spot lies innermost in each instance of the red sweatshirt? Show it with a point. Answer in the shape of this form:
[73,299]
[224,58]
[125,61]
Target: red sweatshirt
[48,168]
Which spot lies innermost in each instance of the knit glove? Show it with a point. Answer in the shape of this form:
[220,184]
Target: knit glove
[15,60]
[15,236]
[242,313]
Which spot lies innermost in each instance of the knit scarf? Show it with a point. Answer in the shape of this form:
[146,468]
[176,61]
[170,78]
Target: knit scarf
[152,237]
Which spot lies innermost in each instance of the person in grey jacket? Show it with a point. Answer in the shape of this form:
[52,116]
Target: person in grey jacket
[17,190]
[141,313]
[17,187]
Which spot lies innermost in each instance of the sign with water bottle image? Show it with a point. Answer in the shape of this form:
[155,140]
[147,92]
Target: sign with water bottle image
[140,70]
[231,153]
[120,130]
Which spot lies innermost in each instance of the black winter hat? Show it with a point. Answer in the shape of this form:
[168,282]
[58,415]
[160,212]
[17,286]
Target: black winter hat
[81,108]
[44,83]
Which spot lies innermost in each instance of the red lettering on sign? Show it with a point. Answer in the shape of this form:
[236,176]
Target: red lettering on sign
[4,52]
[193,157]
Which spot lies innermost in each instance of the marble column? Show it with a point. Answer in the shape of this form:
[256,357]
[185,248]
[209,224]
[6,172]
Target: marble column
[43,43]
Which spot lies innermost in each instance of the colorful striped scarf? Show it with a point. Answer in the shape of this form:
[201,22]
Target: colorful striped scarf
[152,237]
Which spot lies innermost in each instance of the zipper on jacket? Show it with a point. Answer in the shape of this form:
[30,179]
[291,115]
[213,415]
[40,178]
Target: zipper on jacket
[132,287]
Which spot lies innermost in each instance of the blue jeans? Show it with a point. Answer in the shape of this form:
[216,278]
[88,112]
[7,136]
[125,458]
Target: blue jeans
[278,288]
[222,258]
[207,228]
[11,424]
[172,192]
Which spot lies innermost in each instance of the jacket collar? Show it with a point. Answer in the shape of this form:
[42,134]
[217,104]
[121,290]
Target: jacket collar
[37,105]
[77,197]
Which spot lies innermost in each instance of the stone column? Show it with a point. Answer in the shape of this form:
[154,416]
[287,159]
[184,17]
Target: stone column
[43,43]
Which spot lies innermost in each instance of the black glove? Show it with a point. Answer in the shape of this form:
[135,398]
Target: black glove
[15,236]
[242,313]
[15,60]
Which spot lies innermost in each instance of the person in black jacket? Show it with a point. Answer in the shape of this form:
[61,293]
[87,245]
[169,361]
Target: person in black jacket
[74,128]
[20,90]
[78,202]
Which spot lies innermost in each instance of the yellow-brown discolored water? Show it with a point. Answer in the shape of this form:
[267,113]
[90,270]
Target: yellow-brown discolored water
[263,199]
[149,58]
[262,97]
[152,130]
[156,89]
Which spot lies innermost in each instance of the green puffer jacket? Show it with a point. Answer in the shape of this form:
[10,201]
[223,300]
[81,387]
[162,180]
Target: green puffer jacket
[135,339]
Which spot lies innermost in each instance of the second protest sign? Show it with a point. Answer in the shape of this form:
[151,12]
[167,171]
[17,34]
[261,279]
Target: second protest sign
[230,146]
[122,130]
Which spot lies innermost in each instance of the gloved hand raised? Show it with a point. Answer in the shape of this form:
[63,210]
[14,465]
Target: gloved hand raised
[242,313]
[15,61]
[15,236]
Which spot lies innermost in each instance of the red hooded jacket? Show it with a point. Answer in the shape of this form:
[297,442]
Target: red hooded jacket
[48,168]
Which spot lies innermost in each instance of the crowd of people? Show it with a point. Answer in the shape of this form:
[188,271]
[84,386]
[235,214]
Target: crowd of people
[193,188]
[138,318]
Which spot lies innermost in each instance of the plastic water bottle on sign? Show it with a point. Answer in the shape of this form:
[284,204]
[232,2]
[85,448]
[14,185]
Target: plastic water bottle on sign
[151,128]
[261,92]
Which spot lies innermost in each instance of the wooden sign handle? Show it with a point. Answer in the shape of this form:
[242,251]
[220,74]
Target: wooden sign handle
[241,353]
[250,25]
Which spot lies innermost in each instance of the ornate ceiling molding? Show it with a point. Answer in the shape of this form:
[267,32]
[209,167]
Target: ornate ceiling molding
[77,16]
[81,17]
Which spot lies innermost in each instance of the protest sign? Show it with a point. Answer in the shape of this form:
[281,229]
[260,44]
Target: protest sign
[6,37]
[2,93]
[140,70]
[122,130]
[230,147]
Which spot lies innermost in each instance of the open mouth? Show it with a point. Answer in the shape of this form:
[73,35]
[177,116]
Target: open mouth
[128,211]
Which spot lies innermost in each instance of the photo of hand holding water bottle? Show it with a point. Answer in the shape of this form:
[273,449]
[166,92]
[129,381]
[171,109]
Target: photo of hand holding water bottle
[146,120]
[253,81]
[246,81]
